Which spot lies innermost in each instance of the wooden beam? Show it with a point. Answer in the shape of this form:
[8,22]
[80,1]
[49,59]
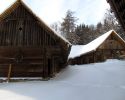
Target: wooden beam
[9,72]
[94,57]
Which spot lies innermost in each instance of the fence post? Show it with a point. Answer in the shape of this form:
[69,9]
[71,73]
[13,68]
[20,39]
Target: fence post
[9,72]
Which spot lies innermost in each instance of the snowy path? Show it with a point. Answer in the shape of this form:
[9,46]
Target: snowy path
[101,81]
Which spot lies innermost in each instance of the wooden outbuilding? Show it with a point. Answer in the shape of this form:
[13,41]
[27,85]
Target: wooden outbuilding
[108,46]
[28,47]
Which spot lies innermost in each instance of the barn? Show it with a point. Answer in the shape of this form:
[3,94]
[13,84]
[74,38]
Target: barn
[28,47]
[108,46]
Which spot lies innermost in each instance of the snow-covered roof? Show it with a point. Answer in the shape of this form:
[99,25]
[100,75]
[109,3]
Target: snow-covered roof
[78,50]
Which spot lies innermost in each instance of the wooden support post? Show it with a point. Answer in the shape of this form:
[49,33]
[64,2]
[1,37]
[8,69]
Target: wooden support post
[94,57]
[9,72]
[103,55]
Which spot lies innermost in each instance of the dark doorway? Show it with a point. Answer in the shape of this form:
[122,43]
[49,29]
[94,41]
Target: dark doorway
[49,67]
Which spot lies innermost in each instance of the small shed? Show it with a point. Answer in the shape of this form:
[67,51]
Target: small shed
[108,46]
[28,47]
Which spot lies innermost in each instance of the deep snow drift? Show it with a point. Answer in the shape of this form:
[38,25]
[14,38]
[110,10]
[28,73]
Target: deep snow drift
[101,81]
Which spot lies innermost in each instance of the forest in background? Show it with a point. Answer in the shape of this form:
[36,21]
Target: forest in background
[81,34]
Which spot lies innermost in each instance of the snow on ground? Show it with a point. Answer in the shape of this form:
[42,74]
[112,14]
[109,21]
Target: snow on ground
[101,81]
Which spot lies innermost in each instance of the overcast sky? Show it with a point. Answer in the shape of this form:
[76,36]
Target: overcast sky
[50,11]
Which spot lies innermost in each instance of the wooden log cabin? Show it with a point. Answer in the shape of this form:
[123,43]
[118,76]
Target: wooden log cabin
[108,46]
[28,47]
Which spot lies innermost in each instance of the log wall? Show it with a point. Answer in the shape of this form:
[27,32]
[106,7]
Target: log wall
[28,45]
